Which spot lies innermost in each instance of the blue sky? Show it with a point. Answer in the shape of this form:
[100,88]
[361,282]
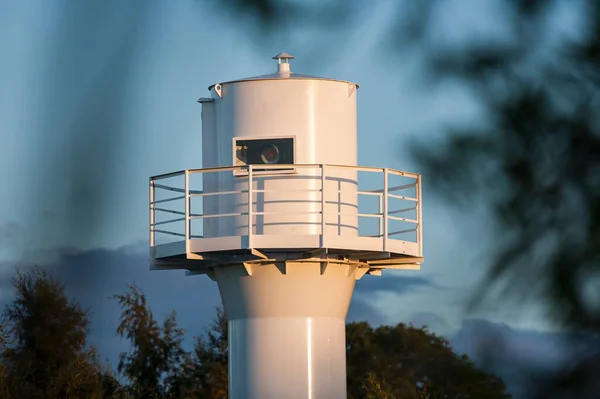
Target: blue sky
[80,137]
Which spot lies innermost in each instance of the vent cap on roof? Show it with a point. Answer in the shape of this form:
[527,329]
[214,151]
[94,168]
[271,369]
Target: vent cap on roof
[283,72]
[283,62]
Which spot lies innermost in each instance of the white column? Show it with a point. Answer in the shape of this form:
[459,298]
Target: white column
[287,329]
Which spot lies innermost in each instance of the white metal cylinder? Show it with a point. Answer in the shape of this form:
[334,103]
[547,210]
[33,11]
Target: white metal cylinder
[287,329]
[320,115]
[285,289]
[289,357]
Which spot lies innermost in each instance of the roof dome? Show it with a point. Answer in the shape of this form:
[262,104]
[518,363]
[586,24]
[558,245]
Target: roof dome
[283,72]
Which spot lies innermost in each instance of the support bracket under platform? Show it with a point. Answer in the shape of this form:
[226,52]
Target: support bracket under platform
[372,262]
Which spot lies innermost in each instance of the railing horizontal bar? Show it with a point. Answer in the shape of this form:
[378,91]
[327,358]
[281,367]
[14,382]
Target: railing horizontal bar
[286,213]
[371,215]
[167,175]
[165,187]
[402,210]
[401,231]
[395,188]
[295,166]
[245,168]
[403,174]
[169,199]
[168,221]
[357,168]
[199,193]
[328,224]
[402,219]
[287,170]
[211,194]
[402,187]
[168,232]
[170,211]
[374,169]
[221,215]
[364,215]
[314,190]
[402,197]
[216,169]
[376,194]
[285,166]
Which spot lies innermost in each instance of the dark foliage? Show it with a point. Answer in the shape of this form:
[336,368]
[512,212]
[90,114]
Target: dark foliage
[536,166]
[534,161]
[408,362]
[43,354]
[155,355]
[204,372]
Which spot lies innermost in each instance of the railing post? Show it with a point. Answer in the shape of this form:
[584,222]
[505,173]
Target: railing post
[419,216]
[187,212]
[380,213]
[385,208]
[250,195]
[151,238]
[323,204]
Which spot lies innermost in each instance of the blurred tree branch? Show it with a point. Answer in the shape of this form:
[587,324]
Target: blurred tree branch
[536,161]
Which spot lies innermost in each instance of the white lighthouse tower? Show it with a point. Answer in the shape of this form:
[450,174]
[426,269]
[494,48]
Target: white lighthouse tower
[285,221]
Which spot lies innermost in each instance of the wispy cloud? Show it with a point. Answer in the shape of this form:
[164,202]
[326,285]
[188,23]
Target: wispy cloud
[392,283]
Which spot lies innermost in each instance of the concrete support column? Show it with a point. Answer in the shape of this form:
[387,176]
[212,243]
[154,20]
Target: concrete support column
[287,329]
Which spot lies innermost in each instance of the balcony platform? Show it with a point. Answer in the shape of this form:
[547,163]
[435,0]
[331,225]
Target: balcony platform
[373,250]
[366,250]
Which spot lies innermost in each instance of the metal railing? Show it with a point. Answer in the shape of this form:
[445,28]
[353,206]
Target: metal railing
[176,200]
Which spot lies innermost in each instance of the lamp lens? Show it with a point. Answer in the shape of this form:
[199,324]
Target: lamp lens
[269,153]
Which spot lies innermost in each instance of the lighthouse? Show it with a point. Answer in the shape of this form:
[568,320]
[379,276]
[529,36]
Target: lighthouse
[285,221]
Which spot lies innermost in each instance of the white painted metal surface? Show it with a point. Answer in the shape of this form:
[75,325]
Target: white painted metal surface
[392,222]
[287,321]
[320,116]
[285,242]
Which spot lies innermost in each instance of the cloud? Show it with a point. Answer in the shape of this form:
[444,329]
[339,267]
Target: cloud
[92,276]
[391,283]
[432,321]
[11,235]
[362,310]
[521,357]
[9,231]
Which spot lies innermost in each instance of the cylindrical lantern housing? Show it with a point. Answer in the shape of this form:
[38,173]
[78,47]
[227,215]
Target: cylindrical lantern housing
[285,119]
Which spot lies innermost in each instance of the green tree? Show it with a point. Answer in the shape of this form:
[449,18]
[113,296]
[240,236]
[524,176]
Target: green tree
[535,164]
[374,388]
[157,367]
[384,363]
[533,160]
[204,372]
[44,351]
[211,353]
[153,362]
[4,342]
[44,354]
[408,362]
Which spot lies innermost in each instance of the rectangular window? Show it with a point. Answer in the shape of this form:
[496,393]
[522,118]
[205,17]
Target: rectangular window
[264,151]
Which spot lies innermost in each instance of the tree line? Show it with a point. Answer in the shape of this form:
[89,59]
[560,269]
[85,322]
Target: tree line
[45,353]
